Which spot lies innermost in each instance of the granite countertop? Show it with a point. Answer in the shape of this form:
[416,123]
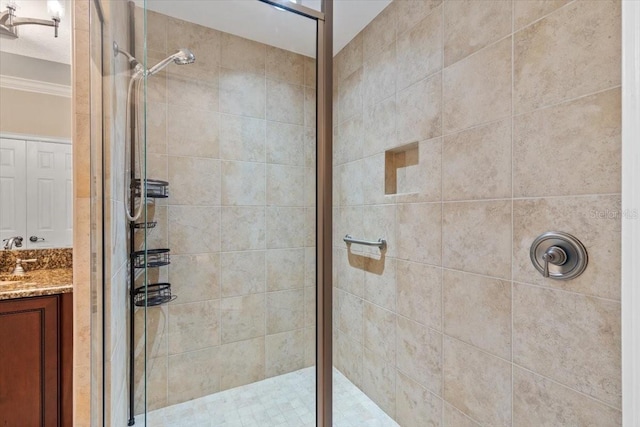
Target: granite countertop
[38,283]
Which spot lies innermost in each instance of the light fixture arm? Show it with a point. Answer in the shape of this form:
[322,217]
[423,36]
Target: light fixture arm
[9,22]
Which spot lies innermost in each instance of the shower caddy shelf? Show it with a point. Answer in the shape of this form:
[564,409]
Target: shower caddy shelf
[149,294]
[156,189]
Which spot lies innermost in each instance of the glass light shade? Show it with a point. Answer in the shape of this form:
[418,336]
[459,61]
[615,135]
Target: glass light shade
[55,8]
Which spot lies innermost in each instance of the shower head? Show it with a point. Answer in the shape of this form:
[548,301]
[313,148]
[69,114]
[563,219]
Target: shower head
[181,57]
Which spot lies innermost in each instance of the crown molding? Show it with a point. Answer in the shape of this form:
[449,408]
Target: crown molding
[17,83]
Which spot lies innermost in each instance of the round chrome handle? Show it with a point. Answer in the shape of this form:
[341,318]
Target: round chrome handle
[558,255]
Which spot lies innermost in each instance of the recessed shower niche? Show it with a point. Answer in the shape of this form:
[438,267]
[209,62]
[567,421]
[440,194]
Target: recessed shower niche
[402,169]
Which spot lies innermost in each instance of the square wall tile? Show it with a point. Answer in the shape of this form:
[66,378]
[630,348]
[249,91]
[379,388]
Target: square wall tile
[243,273]
[380,281]
[284,353]
[477,383]
[285,269]
[188,225]
[349,59]
[349,358]
[477,89]
[242,363]
[419,232]
[569,338]
[242,138]
[379,128]
[242,93]
[285,227]
[242,317]
[419,49]
[285,144]
[351,316]
[243,228]
[569,149]
[182,171]
[194,92]
[477,310]
[194,326]
[195,277]
[350,97]
[538,401]
[190,375]
[415,405]
[419,110]
[379,382]
[419,293]
[202,140]
[285,65]
[243,184]
[454,418]
[476,163]
[284,185]
[242,54]
[411,12]
[470,25]
[419,354]
[477,237]
[556,59]
[594,220]
[380,332]
[527,11]
[379,76]
[285,310]
[380,33]
[285,102]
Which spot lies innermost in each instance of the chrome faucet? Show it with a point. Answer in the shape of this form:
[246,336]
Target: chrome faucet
[11,242]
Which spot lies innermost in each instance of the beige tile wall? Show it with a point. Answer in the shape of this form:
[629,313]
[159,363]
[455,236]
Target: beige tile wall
[234,134]
[514,107]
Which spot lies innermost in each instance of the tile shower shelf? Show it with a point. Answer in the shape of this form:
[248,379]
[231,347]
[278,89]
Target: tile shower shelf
[151,258]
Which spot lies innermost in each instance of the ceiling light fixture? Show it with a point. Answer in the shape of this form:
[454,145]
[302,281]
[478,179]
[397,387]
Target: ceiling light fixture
[9,21]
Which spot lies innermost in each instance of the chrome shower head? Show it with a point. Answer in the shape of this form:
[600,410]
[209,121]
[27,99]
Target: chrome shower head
[184,57]
[181,57]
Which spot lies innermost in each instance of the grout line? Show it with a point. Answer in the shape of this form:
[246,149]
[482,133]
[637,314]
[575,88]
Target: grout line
[566,386]
[511,253]
[442,236]
[515,30]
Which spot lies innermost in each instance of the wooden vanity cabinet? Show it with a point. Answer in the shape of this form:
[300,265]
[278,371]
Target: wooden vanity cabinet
[36,361]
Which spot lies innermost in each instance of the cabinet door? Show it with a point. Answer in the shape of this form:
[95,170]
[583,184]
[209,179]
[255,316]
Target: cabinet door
[13,189]
[29,362]
[50,190]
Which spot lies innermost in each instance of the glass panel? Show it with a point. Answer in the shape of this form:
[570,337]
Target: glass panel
[230,126]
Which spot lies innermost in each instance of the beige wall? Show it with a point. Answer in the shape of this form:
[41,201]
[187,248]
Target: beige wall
[32,113]
[81,87]
[514,108]
[234,135]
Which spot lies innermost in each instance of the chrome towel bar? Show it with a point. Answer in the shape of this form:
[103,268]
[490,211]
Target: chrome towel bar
[381,243]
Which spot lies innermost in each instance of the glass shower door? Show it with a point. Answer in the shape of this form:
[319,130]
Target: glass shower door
[226,328]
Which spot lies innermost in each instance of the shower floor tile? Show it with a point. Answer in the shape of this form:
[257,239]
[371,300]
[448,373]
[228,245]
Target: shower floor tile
[283,401]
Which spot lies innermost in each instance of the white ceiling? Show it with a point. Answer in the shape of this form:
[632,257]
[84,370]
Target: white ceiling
[38,41]
[264,23]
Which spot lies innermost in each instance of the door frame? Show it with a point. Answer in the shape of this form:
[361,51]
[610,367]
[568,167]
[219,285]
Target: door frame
[630,214]
[324,202]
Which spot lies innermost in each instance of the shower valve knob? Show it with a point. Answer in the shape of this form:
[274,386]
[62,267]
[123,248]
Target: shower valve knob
[558,255]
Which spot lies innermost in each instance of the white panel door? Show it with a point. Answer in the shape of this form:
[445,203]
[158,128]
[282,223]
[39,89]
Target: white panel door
[13,189]
[50,195]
